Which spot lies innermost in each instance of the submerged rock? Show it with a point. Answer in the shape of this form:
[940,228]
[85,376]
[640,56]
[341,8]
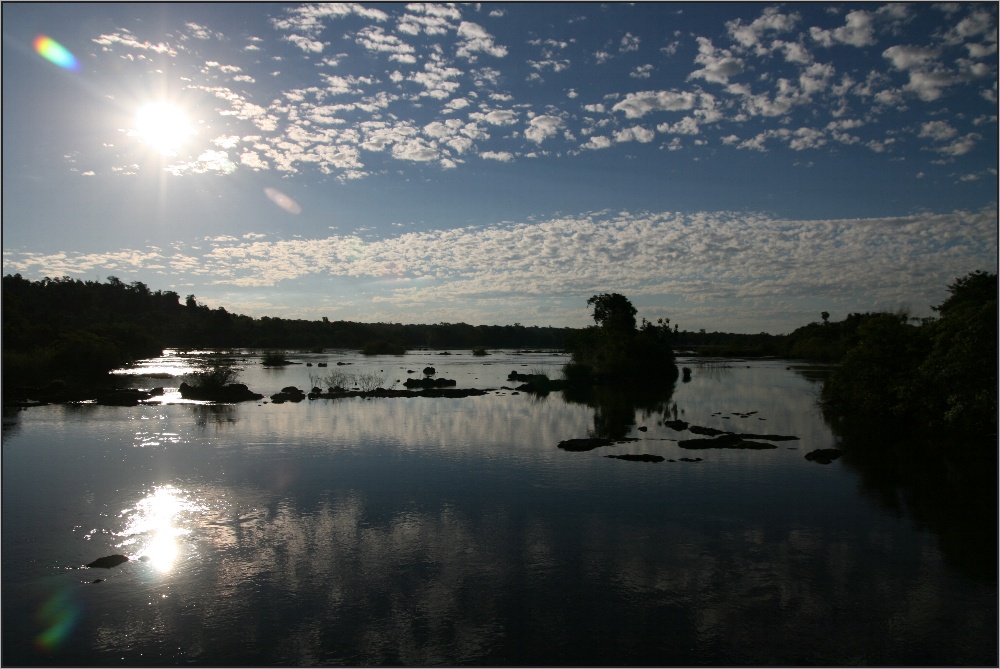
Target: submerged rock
[288,394]
[429,383]
[642,457]
[824,456]
[707,431]
[588,444]
[678,425]
[726,440]
[108,561]
[234,392]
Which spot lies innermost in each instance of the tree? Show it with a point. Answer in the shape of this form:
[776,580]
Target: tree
[613,312]
[826,317]
[614,350]
[962,364]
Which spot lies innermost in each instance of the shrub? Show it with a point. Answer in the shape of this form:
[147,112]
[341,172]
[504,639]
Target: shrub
[273,359]
[216,374]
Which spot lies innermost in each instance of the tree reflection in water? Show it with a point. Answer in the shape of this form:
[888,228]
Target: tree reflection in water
[944,483]
[615,407]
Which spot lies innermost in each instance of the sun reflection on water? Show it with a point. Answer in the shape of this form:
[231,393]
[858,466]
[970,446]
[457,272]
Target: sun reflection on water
[155,524]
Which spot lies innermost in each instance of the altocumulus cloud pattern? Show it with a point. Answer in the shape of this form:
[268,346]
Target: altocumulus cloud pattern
[736,167]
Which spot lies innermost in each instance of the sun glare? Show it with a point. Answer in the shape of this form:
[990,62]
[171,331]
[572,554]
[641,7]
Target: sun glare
[163,126]
[153,525]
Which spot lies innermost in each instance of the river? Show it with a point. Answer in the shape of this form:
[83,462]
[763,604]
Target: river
[427,531]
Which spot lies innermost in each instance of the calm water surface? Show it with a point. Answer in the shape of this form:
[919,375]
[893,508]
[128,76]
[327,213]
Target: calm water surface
[427,531]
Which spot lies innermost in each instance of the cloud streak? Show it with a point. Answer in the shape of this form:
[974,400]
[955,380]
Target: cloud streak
[717,267]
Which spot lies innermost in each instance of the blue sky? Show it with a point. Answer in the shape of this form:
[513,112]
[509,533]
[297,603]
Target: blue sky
[731,166]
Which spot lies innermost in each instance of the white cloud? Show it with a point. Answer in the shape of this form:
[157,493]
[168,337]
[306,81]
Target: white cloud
[686,126]
[542,127]
[415,149]
[771,20]
[502,156]
[858,30]
[937,130]
[719,64]
[642,72]
[304,43]
[636,105]
[628,43]
[477,40]
[729,265]
[637,133]
[962,145]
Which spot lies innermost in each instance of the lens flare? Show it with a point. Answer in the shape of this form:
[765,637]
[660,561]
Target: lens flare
[56,53]
[282,200]
[58,615]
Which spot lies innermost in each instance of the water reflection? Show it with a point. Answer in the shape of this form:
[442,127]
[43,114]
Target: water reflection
[943,484]
[615,408]
[154,525]
[439,531]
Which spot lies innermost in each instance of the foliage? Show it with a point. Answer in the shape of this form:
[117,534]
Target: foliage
[215,375]
[939,374]
[878,376]
[273,359]
[341,380]
[68,328]
[382,347]
[613,313]
[615,351]
[962,363]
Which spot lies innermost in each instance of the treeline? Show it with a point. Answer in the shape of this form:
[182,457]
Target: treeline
[935,373]
[826,341]
[70,327]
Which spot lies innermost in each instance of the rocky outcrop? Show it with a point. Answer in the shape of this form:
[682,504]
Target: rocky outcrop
[340,393]
[642,457]
[588,444]
[234,392]
[288,394]
[725,441]
[108,561]
[824,456]
[429,383]
[707,431]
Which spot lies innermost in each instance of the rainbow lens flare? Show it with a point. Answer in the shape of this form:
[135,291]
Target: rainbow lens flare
[58,615]
[56,53]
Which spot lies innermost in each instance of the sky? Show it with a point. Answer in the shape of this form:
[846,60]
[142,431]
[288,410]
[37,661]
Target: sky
[736,167]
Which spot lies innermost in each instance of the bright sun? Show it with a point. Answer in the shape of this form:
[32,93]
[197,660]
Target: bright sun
[163,126]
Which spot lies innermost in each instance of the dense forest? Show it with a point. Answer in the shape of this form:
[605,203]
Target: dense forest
[86,327]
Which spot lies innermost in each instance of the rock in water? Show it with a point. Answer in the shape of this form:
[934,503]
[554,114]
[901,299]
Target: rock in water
[584,444]
[108,561]
[824,456]
[642,457]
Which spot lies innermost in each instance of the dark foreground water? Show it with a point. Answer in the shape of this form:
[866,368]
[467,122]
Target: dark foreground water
[455,531]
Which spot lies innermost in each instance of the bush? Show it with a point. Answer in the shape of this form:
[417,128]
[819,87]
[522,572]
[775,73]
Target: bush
[274,359]
[215,375]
